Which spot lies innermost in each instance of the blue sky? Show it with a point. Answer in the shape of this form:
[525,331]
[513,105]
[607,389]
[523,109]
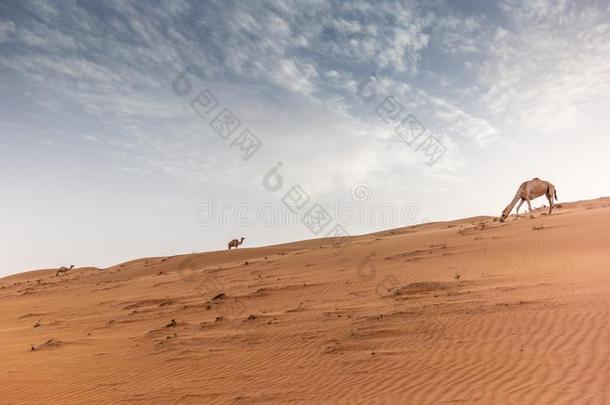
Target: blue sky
[102,161]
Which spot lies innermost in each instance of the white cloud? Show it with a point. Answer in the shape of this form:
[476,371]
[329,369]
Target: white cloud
[526,73]
[544,74]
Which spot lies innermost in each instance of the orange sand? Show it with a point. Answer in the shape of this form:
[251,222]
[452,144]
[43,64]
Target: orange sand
[385,321]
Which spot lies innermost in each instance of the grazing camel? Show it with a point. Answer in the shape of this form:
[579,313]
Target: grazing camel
[64,269]
[235,243]
[530,190]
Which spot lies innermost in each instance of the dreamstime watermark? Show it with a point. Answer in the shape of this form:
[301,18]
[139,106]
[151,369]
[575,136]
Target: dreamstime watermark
[225,124]
[407,127]
[297,200]
[347,213]
[361,191]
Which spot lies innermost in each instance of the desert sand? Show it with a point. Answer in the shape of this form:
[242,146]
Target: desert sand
[462,312]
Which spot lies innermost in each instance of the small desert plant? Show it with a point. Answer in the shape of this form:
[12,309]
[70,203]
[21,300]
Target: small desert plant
[538,227]
[457,277]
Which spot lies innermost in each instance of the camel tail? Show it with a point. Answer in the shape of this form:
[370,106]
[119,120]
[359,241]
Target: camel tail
[555,192]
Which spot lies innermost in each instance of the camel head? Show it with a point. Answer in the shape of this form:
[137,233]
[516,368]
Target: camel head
[504,215]
[242,240]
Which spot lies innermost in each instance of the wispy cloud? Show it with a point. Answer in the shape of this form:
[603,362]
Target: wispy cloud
[546,71]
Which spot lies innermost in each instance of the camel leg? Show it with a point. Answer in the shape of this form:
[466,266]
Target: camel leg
[518,206]
[529,204]
[550,198]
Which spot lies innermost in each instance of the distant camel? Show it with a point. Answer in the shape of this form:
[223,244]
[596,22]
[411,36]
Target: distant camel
[63,269]
[528,191]
[235,243]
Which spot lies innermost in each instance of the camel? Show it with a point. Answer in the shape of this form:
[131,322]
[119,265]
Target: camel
[235,243]
[530,190]
[64,269]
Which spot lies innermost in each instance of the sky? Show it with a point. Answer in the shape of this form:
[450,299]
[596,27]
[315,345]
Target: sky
[138,129]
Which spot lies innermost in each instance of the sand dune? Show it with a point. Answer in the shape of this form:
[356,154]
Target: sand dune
[380,318]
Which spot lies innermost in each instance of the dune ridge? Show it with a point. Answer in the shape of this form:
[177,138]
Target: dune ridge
[466,311]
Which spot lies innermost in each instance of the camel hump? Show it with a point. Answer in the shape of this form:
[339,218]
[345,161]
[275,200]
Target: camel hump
[535,178]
